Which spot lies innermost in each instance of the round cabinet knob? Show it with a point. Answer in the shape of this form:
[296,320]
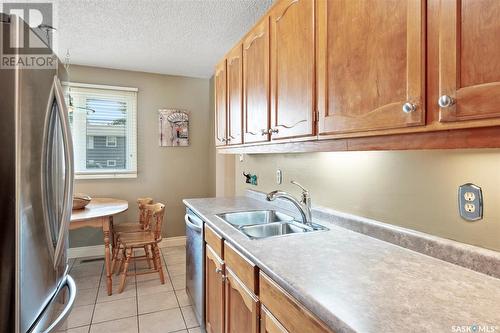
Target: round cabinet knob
[264,131]
[446,101]
[273,131]
[218,271]
[409,107]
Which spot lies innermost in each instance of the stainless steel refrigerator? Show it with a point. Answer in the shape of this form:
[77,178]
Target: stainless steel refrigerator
[36,188]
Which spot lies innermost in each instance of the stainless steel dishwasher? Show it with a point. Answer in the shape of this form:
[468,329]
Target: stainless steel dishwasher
[195,264]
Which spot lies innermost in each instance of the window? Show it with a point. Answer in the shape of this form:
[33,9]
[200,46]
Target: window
[103,123]
[111,141]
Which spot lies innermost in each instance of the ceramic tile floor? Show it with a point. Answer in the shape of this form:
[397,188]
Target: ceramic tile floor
[145,306]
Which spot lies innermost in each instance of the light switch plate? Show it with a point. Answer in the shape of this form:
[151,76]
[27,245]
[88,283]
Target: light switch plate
[470,202]
[279,177]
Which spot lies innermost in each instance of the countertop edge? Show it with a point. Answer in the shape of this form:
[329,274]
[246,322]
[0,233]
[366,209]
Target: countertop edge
[339,325]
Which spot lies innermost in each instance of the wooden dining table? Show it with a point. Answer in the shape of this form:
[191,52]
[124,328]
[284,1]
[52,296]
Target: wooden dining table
[99,214]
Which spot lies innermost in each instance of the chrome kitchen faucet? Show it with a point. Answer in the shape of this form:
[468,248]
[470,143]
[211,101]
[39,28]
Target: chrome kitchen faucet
[304,205]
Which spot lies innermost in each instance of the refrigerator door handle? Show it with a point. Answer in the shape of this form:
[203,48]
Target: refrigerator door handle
[70,172]
[67,309]
[70,283]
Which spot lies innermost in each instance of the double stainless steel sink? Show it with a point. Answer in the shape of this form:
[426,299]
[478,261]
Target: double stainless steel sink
[266,223]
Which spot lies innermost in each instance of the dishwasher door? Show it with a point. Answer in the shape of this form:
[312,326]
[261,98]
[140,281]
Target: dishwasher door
[195,264]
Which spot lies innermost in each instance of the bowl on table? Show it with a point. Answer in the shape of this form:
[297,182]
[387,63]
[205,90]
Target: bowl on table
[80,200]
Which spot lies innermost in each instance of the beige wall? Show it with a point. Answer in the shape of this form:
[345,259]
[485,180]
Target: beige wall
[166,174]
[413,189]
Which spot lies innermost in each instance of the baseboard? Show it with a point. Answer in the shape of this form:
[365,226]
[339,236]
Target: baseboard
[98,250]
[86,251]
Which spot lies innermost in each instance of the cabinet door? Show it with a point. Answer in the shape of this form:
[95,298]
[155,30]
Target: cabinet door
[269,324]
[256,83]
[469,59]
[220,104]
[235,96]
[214,292]
[292,69]
[242,306]
[371,57]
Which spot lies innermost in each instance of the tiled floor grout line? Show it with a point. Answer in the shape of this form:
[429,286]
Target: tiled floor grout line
[167,269]
[137,300]
[96,297]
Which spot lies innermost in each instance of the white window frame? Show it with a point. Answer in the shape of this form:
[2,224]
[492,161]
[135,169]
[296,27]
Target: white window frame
[77,90]
[111,143]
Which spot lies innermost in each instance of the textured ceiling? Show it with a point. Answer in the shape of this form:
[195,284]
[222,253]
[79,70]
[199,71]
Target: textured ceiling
[178,37]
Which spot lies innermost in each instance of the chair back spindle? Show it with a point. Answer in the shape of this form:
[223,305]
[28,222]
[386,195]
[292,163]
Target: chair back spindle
[156,214]
[143,213]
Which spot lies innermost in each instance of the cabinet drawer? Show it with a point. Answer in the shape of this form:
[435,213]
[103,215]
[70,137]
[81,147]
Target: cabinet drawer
[214,240]
[246,271]
[290,313]
[269,324]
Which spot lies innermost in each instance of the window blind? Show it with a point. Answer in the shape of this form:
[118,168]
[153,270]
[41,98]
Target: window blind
[104,128]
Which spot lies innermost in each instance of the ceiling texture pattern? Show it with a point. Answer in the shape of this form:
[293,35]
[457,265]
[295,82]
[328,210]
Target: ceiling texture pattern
[177,37]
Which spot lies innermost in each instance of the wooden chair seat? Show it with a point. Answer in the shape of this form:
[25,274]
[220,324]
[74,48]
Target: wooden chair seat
[137,239]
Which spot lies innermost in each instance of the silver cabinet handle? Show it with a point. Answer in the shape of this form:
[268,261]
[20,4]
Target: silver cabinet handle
[218,270]
[446,101]
[273,131]
[264,131]
[409,107]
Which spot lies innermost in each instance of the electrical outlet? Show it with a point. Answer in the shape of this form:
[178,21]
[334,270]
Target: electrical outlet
[469,196]
[470,202]
[470,207]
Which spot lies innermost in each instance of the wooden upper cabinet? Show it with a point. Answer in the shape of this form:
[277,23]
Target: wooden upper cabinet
[370,64]
[220,82]
[256,83]
[292,69]
[469,59]
[235,96]
[214,292]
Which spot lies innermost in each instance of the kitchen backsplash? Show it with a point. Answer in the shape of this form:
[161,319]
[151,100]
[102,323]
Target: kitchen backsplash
[413,189]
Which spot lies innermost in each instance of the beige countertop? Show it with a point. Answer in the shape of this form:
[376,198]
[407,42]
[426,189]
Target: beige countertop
[356,283]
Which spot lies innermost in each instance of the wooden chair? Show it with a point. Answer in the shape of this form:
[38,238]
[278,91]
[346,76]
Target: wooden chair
[134,226]
[143,224]
[144,239]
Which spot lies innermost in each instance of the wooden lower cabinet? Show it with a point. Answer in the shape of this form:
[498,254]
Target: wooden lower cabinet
[242,306]
[294,317]
[232,304]
[214,292]
[269,324]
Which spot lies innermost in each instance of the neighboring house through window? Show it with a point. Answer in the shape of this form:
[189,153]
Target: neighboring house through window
[104,130]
